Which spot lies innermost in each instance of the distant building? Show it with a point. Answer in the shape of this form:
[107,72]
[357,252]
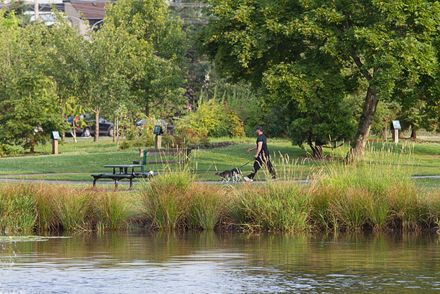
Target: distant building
[92,11]
[82,14]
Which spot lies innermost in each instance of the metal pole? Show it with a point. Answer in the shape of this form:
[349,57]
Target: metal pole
[97,23]
[36,10]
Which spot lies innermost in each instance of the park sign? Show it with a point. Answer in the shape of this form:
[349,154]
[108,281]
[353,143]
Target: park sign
[157,130]
[396,125]
[55,135]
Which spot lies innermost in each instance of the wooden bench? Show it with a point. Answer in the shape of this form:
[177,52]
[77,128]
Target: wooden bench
[124,173]
[182,154]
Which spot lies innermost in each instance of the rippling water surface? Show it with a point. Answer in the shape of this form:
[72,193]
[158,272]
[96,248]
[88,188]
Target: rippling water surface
[208,262]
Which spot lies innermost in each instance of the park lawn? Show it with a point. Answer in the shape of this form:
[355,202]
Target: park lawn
[89,157]
[291,162]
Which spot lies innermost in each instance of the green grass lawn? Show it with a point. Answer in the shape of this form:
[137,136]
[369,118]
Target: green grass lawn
[86,157]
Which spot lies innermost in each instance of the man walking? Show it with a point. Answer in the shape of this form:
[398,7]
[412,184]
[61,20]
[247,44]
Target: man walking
[261,157]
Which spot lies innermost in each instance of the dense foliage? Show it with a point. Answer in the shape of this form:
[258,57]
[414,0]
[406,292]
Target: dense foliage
[214,119]
[388,44]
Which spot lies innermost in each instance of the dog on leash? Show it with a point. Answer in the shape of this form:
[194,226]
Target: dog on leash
[230,174]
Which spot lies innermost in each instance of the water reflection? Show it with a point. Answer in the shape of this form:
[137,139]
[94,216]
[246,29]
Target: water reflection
[208,262]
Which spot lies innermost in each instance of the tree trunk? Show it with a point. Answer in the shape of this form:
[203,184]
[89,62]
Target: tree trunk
[73,133]
[114,129]
[63,134]
[318,151]
[363,131]
[96,138]
[414,134]
[147,110]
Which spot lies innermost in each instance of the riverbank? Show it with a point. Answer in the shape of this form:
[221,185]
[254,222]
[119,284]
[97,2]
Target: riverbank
[337,198]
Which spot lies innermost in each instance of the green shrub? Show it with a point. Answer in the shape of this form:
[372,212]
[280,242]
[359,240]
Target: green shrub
[185,137]
[215,119]
[7,150]
[125,144]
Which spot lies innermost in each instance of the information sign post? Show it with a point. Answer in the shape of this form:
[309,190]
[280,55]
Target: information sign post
[396,127]
[55,136]
[158,140]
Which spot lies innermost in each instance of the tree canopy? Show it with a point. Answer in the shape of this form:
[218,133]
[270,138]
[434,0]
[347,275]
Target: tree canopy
[157,77]
[28,107]
[389,44]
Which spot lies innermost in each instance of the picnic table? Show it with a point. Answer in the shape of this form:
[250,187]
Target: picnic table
[123,171]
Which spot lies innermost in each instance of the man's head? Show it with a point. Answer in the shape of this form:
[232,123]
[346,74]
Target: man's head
[259,130]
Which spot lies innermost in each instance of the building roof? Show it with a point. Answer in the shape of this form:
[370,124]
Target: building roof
[90,10]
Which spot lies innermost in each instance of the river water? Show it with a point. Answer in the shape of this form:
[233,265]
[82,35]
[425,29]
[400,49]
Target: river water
[207,262]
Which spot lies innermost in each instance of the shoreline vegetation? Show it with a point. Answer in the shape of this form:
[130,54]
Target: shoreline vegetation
[379,196]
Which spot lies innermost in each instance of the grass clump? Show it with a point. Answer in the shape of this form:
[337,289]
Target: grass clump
[75,211]
[174,201]
[163,199]
[16,208]
[205,206]
[279,207]
[112,210]
[376,196]
[43,207]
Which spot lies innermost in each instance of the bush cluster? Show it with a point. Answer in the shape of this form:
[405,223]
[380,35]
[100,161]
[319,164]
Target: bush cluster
[183,137]
[214,119]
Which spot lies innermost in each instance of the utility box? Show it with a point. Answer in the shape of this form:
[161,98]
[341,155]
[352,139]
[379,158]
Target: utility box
[55,136]
[395,127]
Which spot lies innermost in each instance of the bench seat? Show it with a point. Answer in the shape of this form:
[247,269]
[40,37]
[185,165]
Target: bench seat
[117,177]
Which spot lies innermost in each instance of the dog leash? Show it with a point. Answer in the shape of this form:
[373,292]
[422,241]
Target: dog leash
[245,164]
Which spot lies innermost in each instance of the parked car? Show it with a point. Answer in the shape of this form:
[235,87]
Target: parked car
[169,128]
[105,127]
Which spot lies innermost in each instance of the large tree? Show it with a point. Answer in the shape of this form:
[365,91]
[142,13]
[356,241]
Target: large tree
[313,100]
[95,68]
[31,112]
[157,77]
[28,108]
[387,43]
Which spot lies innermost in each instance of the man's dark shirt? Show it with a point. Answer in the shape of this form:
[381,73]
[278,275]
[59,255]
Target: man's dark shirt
[262,138]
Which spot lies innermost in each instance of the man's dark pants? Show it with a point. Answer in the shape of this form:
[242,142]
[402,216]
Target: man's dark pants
[263,159]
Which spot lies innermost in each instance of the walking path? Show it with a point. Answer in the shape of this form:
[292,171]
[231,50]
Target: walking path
[13,178]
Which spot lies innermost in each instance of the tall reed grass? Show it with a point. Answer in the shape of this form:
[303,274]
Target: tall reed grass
[173,200]
[280,207]
[16,210]
[27,207]
[376,195]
